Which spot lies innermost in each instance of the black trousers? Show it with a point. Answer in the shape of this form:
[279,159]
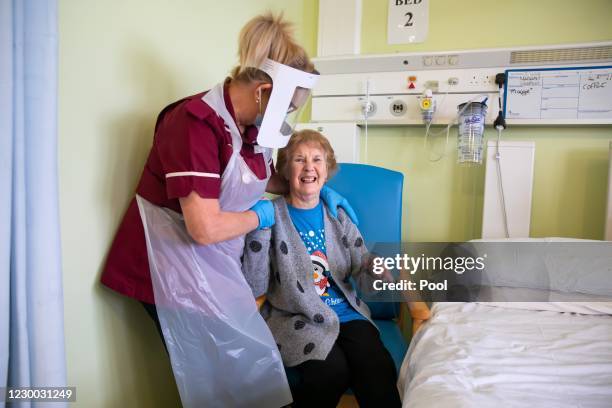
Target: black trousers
[358,360]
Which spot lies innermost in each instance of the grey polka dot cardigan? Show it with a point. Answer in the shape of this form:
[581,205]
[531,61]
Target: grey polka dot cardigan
[277,264]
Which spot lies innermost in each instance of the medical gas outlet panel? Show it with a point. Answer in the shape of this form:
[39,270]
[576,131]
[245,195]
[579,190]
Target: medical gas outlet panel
[394,98]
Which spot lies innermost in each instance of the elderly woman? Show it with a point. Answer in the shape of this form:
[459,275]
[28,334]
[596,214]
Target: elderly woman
[303,265]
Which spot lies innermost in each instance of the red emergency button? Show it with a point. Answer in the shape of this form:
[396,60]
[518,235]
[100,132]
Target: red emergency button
[411,80]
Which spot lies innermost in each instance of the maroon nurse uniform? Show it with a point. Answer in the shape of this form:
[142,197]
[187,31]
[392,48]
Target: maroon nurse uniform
[191,148]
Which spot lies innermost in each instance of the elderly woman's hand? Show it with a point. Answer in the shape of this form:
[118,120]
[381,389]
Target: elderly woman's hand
[335,200]
[416,325]
[419,311]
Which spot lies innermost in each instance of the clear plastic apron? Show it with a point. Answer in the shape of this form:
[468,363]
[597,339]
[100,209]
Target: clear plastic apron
[222,352]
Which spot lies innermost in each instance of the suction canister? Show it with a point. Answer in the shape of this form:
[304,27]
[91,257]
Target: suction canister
[471,132]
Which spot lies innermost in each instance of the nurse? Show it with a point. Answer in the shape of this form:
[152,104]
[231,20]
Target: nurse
[209,161]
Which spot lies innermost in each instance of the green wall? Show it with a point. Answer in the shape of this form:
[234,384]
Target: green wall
[443,201]
[120,63]
[469,24]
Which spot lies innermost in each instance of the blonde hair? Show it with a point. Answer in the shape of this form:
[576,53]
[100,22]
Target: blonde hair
[306,136]
[268,36]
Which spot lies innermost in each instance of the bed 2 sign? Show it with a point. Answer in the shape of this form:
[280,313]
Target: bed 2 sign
[408,21]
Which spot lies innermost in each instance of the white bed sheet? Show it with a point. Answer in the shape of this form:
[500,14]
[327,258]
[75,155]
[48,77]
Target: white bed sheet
[475,355]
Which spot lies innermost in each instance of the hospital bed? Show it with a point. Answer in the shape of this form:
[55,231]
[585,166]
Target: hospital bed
[478,355]
[511,354]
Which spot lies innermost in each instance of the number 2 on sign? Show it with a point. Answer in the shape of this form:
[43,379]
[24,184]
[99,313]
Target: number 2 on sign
[409,22]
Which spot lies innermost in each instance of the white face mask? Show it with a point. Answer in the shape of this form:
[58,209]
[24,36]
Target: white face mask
[290,90]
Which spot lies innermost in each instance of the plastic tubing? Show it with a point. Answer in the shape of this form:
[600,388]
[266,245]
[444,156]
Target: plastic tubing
[447,128]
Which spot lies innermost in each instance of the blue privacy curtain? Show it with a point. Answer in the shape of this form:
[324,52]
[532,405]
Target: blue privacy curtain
[31,301]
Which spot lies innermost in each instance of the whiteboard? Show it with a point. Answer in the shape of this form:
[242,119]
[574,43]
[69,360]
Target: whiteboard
[559,95]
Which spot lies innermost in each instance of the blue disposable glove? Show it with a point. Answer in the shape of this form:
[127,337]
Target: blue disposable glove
[265,211]
[334,200]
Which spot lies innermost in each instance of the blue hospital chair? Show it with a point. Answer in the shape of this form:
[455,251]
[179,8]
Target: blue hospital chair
[375,194]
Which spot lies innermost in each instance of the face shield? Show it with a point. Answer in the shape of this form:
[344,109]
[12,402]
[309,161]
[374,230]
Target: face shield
[290,91]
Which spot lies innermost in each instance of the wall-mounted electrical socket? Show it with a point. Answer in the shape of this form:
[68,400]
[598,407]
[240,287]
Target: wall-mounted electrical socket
[482,79]
[453,81]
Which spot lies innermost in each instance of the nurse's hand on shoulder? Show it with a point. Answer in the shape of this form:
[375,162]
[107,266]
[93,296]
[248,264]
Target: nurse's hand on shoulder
[333,200]
[265,212]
